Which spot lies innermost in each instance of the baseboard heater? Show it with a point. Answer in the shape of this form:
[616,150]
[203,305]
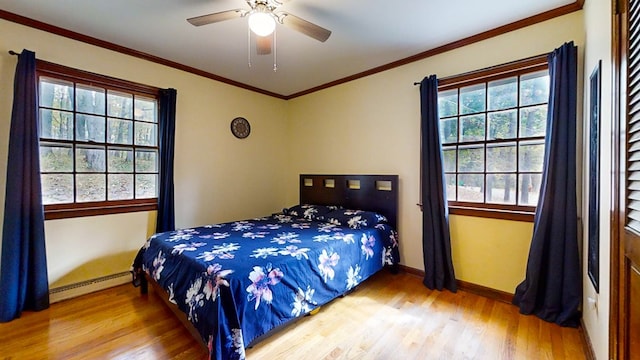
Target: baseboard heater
[85,287]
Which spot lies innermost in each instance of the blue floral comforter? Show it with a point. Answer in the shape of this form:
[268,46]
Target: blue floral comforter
[238,280]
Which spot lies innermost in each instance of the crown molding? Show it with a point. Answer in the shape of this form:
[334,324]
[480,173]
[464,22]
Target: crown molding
[544,16]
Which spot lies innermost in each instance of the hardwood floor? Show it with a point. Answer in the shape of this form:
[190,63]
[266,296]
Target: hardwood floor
[387,317]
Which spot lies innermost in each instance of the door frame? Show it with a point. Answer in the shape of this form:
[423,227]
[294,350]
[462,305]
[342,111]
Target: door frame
[618,276]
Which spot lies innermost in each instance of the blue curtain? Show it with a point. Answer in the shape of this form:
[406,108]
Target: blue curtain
[436,241]
[167,125]
[552,289]
[24,284]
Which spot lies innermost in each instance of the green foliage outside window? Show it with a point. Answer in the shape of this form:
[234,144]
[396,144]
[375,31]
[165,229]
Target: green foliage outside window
[492,135]
[96,144]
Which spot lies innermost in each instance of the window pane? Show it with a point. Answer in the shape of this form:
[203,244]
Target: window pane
[534,88]
[501,158]
[56,94]
[58,158]
[145,109]
[501,188]
[471,159]
[57,188]
[90,159]
[449,159]
[531,156]
[533,121]
[450,180]
[503,94]
[120,186]
[448,103]
[472,99]
[90,187]
[471,187]
[119,105]
[146,185]
[503,125]
[146,161]
[529,189]
[90,99]
[120,131]
[472,128]
[449,130]
[492,137]
[90,128]
[56,124]
[90,143]
[146,134]
[120,160]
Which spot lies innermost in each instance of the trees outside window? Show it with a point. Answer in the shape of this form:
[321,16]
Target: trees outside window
[98,143]
[492,131]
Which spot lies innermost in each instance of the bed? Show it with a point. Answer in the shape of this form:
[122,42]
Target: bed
[238,281]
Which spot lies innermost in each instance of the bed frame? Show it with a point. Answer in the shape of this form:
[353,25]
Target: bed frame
[377,193]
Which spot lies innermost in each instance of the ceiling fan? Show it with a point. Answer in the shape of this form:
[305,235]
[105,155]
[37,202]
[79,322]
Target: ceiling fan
[262,20]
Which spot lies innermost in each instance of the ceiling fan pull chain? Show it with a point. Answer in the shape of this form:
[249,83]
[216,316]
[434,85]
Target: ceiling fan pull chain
[275,52]
[249,46]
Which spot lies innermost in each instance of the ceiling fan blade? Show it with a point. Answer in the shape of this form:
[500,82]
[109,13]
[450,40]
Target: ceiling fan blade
[310,29]
[263,45]
[216,17]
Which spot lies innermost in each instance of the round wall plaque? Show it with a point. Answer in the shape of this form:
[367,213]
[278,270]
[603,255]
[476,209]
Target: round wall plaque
[240,127]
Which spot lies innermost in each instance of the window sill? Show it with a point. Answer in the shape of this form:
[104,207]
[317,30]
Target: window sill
[65,211]
[526,216]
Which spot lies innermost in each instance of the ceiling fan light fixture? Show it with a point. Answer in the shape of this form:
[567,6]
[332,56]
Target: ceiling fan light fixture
[262,23]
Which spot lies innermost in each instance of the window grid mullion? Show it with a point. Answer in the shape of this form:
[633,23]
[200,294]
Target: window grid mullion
[106,141]
[486,132]
[58,77]
[75,146]
[133,141]
[517,141]
[518,195]
[458,126]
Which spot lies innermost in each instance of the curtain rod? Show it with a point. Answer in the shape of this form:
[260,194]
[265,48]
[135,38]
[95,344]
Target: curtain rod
[11,52]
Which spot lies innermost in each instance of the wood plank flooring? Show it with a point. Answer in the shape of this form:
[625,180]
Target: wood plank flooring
[387,317]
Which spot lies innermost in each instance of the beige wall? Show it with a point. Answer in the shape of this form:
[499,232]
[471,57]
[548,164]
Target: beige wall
[372,125]
[217,177]
[490,252]
[597,15]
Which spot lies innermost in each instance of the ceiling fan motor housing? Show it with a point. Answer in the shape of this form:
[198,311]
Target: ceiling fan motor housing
[264,13]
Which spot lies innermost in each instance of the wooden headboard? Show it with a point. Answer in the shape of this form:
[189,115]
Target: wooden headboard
[377,193]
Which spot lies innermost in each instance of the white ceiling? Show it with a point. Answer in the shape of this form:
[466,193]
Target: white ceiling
[365,33]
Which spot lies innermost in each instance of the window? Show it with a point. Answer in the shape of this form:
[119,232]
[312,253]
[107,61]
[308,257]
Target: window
[492,130]
[98,143]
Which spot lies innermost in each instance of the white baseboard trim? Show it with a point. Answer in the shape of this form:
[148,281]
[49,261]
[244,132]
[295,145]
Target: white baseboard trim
[88,286]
